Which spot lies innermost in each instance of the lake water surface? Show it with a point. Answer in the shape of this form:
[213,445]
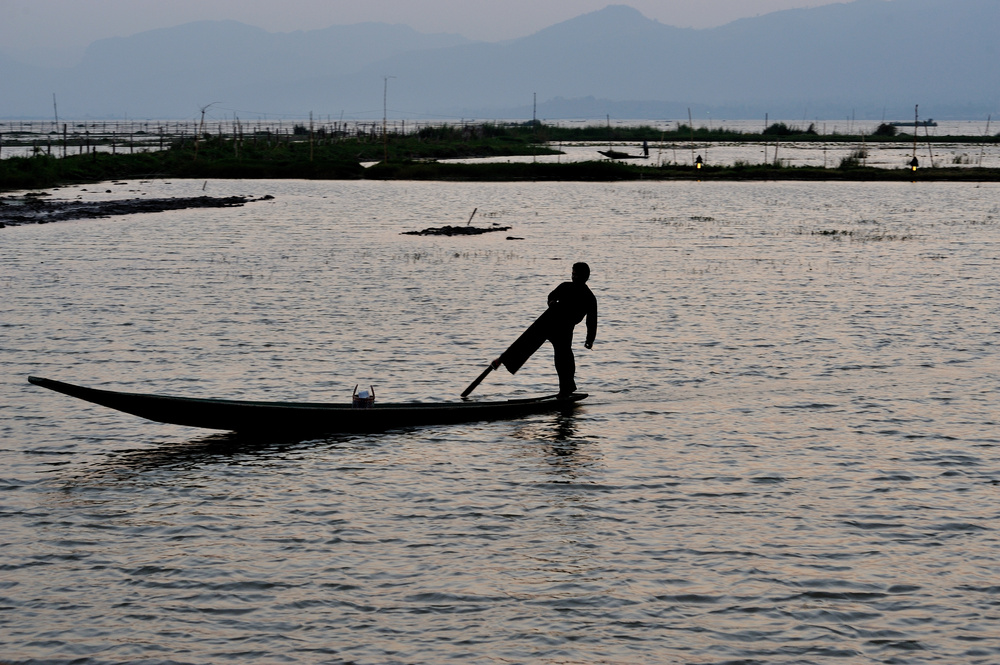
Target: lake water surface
[790,452]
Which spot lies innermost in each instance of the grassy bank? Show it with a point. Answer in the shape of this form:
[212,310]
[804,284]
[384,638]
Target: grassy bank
[412,157]
[778,131]
[294,156]
[45,171]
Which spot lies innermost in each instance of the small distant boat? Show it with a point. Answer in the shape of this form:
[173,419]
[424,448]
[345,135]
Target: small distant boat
[305,417]
[921,123]
[614,154]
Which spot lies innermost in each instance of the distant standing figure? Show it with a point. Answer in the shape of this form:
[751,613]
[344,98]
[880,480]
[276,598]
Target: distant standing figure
[569,304]
[645,149]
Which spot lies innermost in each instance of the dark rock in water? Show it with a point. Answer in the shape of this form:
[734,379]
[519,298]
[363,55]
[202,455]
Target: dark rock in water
[454,231]
[29,209]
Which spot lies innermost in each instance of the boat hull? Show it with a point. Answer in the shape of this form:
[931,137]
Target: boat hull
[614,154]
[283,417]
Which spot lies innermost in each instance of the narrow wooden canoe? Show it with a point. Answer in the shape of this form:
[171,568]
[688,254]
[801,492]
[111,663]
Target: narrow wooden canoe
[614,154]
[285,417]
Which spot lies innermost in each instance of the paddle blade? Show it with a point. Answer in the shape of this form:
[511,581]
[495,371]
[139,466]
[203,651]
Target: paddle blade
[479,379]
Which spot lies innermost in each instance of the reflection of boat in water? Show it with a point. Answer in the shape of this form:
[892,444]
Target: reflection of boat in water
[922,123]
[614,154]
[284,417]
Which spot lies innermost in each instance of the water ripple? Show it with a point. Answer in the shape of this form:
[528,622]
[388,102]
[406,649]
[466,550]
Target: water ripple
[789,454]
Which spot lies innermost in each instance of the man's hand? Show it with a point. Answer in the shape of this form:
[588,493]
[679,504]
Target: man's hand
[588,345]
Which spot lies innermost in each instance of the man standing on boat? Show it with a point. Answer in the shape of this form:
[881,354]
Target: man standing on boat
[569,304]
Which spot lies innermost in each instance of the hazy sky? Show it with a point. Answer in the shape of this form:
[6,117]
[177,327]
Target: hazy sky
[28,24]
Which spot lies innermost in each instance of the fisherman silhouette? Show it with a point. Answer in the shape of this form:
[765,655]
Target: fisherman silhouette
[569,304]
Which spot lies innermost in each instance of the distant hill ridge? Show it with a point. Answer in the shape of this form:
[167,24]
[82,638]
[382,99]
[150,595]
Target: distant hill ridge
[868,58]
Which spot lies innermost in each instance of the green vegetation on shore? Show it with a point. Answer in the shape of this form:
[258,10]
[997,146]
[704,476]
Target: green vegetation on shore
[315,156]
[411,156]
[778,130]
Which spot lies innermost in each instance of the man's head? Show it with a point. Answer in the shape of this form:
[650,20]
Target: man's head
[581,272]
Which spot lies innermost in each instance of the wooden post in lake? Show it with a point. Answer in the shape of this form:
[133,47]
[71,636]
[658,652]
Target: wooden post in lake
[930,150]
[691,127]
[764,134]
[201,127]
[236,136]
[534,126]
[385,110]
[982,147]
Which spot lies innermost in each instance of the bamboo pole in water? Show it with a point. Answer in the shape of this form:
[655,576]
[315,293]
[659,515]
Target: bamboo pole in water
[765,138]
[982,147]
[198,132]
[927,133]
[691,127]
[385,110]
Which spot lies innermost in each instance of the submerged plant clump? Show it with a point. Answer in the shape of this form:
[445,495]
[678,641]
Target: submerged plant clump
[32,209]
[860,236]
[438,256]
[455,231]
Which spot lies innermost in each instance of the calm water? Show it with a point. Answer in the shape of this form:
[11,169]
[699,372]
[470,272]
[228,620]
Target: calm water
[790,453]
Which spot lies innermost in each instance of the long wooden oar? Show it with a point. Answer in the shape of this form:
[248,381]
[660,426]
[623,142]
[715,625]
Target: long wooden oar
[522,349]
[479,379]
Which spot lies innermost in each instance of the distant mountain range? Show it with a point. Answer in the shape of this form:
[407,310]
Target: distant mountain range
[868,58]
